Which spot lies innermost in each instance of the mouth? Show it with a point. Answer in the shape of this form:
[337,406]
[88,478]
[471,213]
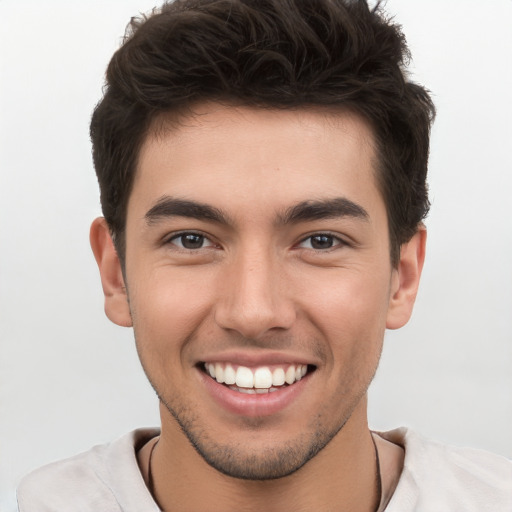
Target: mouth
[258,380]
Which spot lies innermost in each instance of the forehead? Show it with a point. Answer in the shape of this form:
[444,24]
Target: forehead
[240,156]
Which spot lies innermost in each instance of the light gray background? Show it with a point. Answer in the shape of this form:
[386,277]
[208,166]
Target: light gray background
[70,379]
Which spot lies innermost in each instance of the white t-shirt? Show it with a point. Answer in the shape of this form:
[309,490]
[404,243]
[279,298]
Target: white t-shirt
[435,478]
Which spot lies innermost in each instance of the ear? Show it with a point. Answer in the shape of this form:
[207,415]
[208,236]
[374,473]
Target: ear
[406,279]
[117,307]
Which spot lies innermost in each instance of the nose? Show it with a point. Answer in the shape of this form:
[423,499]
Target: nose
[254,297]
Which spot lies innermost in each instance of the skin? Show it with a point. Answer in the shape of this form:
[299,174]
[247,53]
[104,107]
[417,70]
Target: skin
[260,285]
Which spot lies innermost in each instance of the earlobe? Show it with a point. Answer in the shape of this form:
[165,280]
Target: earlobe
[117,307]
[406,280]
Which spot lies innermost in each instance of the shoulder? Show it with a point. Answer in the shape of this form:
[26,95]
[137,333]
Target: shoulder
[439,477]
[99,479]
[77,480]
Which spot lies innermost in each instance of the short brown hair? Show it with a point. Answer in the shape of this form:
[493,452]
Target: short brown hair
[272,54]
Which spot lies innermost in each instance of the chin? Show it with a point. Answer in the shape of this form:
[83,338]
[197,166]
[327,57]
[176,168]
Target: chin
[257,460]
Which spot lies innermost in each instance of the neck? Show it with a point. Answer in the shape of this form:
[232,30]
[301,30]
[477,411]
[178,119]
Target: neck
[342,476]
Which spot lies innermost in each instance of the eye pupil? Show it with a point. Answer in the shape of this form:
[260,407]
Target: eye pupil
[192,241]
[321,242]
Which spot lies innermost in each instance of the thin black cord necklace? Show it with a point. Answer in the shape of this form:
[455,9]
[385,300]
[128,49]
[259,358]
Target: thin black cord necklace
[378,476]
[150,473]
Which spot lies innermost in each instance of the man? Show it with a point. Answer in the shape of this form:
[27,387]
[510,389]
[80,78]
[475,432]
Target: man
[262,167]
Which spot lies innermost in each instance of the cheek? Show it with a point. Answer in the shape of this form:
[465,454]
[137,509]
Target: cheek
[170,308]
[347,301]
[351,314]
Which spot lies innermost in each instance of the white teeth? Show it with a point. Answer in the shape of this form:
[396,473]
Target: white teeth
[248,391]
[278,377]
[229,375]
[244,377]
[253,391]
[290,375]
[219,373]
[263,378]
[260,380]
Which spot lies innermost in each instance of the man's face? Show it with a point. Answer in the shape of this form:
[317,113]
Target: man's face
[256,250]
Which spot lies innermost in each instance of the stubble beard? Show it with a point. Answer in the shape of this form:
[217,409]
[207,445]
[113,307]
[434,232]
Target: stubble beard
[261,463]
[268,463]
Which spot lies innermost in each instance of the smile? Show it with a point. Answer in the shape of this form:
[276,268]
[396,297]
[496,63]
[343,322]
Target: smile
[260,380]
[258,389]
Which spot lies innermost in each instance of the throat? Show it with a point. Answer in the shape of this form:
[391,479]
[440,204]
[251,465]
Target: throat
[350,485]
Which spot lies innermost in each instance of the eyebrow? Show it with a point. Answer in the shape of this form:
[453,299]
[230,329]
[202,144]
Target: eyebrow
[323,209]
[168,206]
[304,211]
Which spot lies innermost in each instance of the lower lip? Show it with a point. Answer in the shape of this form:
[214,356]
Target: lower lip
[253,405]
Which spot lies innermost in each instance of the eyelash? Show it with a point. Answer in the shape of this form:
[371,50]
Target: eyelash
[335,240]
[181,235]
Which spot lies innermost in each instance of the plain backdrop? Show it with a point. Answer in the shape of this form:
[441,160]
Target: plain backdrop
[69,379]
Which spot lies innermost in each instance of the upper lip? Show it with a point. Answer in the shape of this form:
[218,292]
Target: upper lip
[257,358]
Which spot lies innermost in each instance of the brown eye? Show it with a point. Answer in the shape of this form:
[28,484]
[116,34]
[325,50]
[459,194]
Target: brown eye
[191,241]
[322,241]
